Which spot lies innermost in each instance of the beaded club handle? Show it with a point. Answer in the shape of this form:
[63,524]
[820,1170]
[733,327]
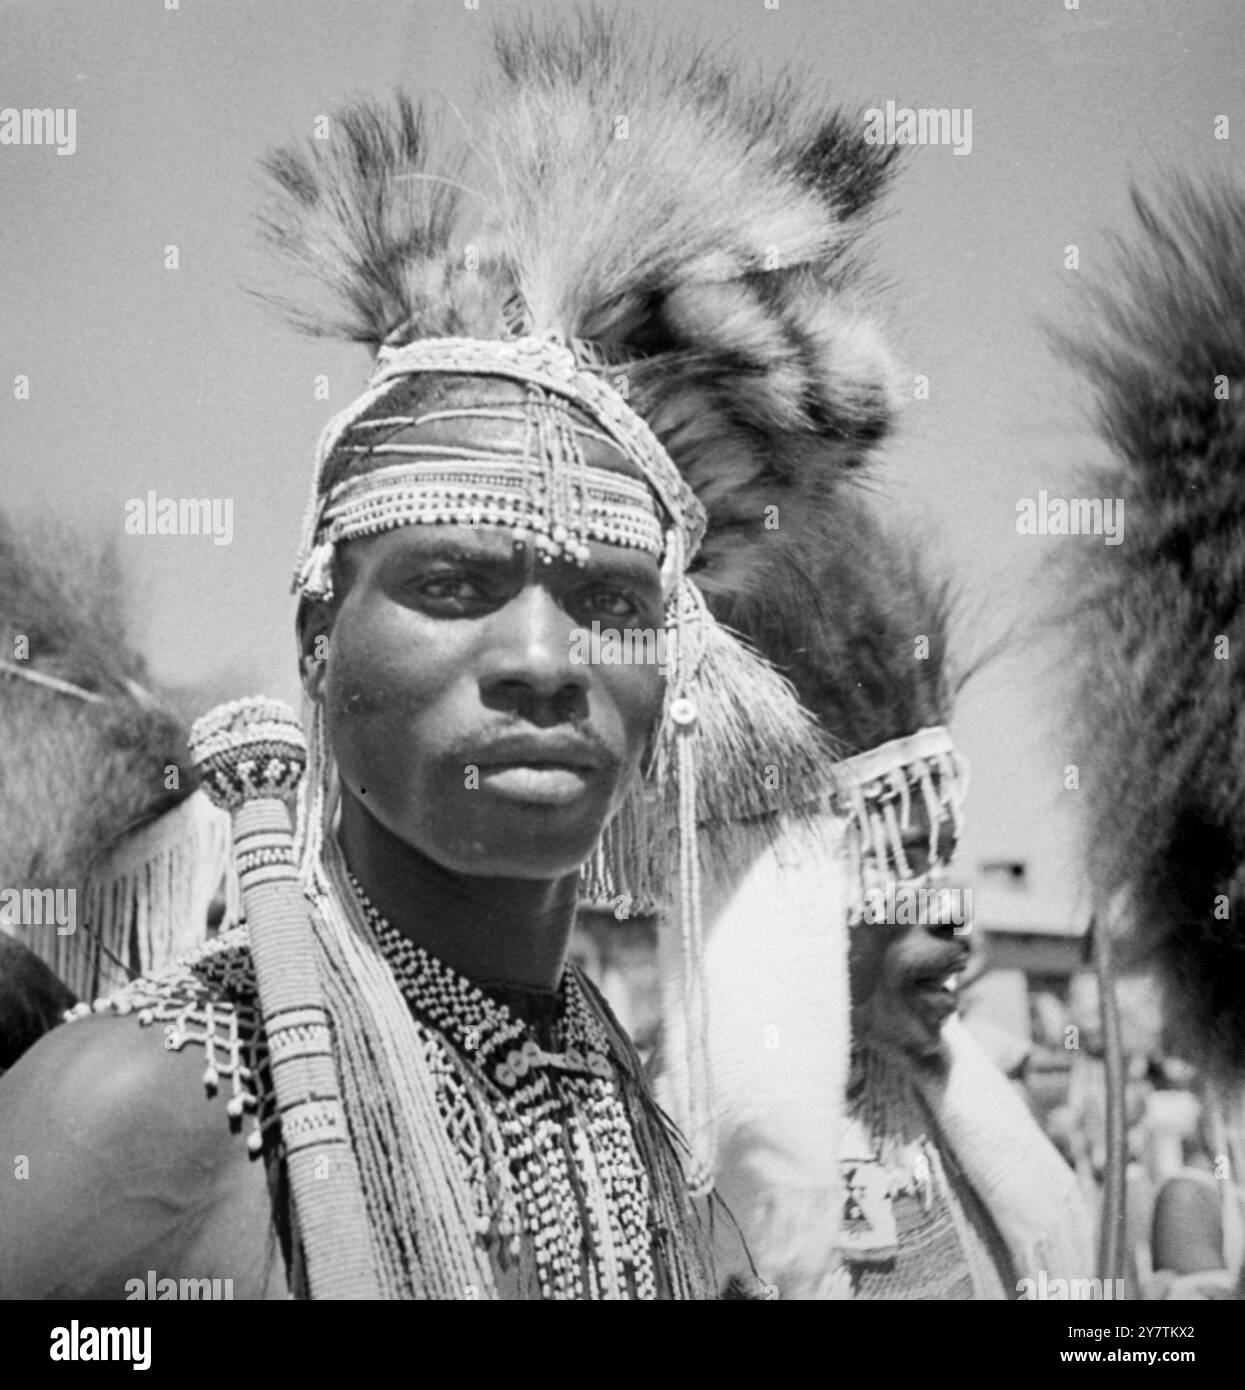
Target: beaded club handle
[250,755]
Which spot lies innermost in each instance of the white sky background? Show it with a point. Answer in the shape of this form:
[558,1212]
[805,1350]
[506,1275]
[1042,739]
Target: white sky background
[143,378]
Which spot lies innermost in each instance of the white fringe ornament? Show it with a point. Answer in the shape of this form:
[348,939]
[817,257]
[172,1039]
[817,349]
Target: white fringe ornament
[147,904]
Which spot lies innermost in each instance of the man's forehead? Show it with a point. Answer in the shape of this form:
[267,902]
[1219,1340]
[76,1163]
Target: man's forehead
[463,415]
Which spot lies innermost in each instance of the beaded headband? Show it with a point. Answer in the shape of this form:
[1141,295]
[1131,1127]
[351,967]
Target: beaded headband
[539,485]
[877,792]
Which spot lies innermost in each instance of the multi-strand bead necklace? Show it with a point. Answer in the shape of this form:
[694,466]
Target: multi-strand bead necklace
[545,1136]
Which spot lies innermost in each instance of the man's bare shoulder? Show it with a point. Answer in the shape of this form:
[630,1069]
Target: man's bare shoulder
[107,1076]
[112,1147]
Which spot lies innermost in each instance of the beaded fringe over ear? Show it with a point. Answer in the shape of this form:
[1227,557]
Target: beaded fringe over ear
[734,748]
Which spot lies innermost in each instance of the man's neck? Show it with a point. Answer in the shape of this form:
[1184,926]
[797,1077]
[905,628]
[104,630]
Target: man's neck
[492,930]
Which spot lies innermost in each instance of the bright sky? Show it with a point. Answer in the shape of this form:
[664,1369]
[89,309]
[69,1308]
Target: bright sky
[144,378]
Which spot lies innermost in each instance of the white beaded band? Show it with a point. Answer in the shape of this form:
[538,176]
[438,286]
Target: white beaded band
[616,509]
[877,792]
[546,492]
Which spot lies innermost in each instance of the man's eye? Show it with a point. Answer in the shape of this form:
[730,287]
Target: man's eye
[451,590]
[611,603]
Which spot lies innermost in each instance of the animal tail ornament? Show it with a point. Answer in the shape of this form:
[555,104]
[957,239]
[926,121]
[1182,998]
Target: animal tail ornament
[1158,622]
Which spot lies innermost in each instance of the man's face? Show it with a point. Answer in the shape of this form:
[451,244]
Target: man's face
[457,716]
[911,998]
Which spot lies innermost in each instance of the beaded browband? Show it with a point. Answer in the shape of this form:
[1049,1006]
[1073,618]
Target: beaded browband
[537,482]
[878,790]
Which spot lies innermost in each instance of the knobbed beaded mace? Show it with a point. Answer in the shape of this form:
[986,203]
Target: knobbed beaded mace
[250,755]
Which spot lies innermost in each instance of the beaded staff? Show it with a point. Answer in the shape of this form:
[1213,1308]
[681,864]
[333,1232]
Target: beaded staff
[250,755]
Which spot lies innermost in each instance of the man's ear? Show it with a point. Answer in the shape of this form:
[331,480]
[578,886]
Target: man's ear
[315,629]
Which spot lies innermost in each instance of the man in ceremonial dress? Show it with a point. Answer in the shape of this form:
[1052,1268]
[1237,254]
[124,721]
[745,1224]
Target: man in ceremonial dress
[385,1081]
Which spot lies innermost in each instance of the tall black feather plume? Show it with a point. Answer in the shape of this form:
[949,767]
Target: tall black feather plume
[370,217]
[1159,620]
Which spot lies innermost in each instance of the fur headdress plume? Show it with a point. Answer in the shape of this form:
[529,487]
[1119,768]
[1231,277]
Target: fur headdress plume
[700,238]
[1159,620]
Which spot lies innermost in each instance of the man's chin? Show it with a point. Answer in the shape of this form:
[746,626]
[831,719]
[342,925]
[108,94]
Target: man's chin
[913,1027]
[534,858]
[929,1010]
[532,843]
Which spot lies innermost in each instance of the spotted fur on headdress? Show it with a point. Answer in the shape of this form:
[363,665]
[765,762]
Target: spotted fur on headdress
[702,235]
[1159,620]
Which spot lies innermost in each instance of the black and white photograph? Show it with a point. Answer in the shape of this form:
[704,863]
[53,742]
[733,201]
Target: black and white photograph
[618,641]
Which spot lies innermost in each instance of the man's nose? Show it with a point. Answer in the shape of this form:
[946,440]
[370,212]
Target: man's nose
[530,651]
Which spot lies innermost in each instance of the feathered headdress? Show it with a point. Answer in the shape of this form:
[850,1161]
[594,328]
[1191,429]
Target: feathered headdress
[1157,621]
[698,239]
[856,616]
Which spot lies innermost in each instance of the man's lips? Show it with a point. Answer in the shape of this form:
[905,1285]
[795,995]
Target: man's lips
[936,981]
[938,994]
[546,784]
[539,769]
[556,749]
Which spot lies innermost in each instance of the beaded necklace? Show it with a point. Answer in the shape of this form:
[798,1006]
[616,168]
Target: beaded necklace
[545,1138]
[910,1225]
